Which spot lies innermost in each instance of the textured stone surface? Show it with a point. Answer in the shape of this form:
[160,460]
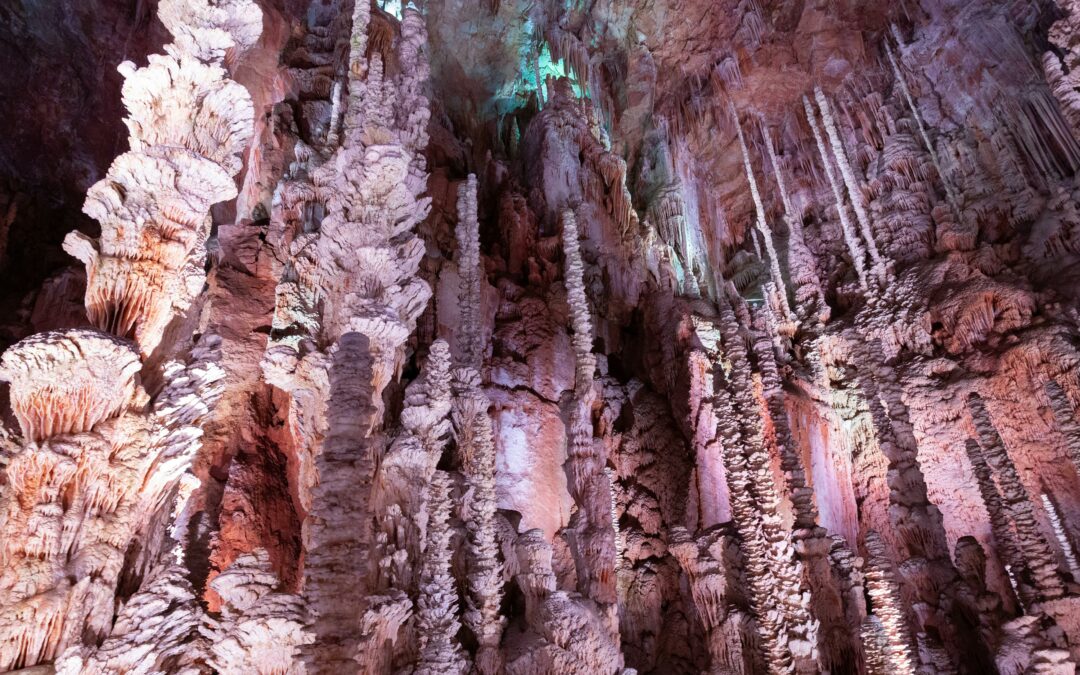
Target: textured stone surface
[661,336]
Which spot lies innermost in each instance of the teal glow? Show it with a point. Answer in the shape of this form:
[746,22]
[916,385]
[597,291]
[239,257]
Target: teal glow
[391,7]
[532,71]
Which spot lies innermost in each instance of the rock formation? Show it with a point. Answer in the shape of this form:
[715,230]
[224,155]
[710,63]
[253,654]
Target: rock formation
[663,336]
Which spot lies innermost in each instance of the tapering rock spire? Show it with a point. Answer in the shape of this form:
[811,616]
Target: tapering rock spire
[890,638]
[802,268]
[851,237]
[476,446]
[1000,526]
[853,188]
[783,570]
[101,461]
[470,273]
[762,224]
[353,287]
[1066,419]
[594,545]
[188,124]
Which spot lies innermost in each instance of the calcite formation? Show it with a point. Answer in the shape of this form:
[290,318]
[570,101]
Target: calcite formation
[528,337]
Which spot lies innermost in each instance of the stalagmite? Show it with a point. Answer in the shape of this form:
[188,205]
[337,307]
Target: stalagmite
[188,124]
[892,638]
[762,225]
[920,542]
[705,562]
[85,493]
[156,631]
[436,608]
[876,647]
[851,238]
[1066,420]
[260,629]
[476,447]
[357,291]
[1000,525]
[288,412]
[854,190]
[802,497]
[470,272]
[1033,546]
[785,571]
[785,628]
[1056,525]
[771,622]
[594,532]
[484,598]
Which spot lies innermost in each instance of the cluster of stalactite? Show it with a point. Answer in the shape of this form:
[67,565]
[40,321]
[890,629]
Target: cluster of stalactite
[95,502]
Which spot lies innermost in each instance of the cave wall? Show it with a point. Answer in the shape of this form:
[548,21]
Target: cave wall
[528,337]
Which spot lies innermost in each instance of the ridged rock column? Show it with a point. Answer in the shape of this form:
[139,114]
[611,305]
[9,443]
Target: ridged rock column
[351,301]
[593,542]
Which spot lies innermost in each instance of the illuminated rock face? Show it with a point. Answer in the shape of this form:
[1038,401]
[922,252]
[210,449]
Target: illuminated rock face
[663,336]
[188,124]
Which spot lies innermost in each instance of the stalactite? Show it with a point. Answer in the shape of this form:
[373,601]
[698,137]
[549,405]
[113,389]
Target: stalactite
[1034,547]
[68,382]
[436,608]
[1064,88]
[854,190]
[802,268]
[851,238]
[954,202]
[762,225]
